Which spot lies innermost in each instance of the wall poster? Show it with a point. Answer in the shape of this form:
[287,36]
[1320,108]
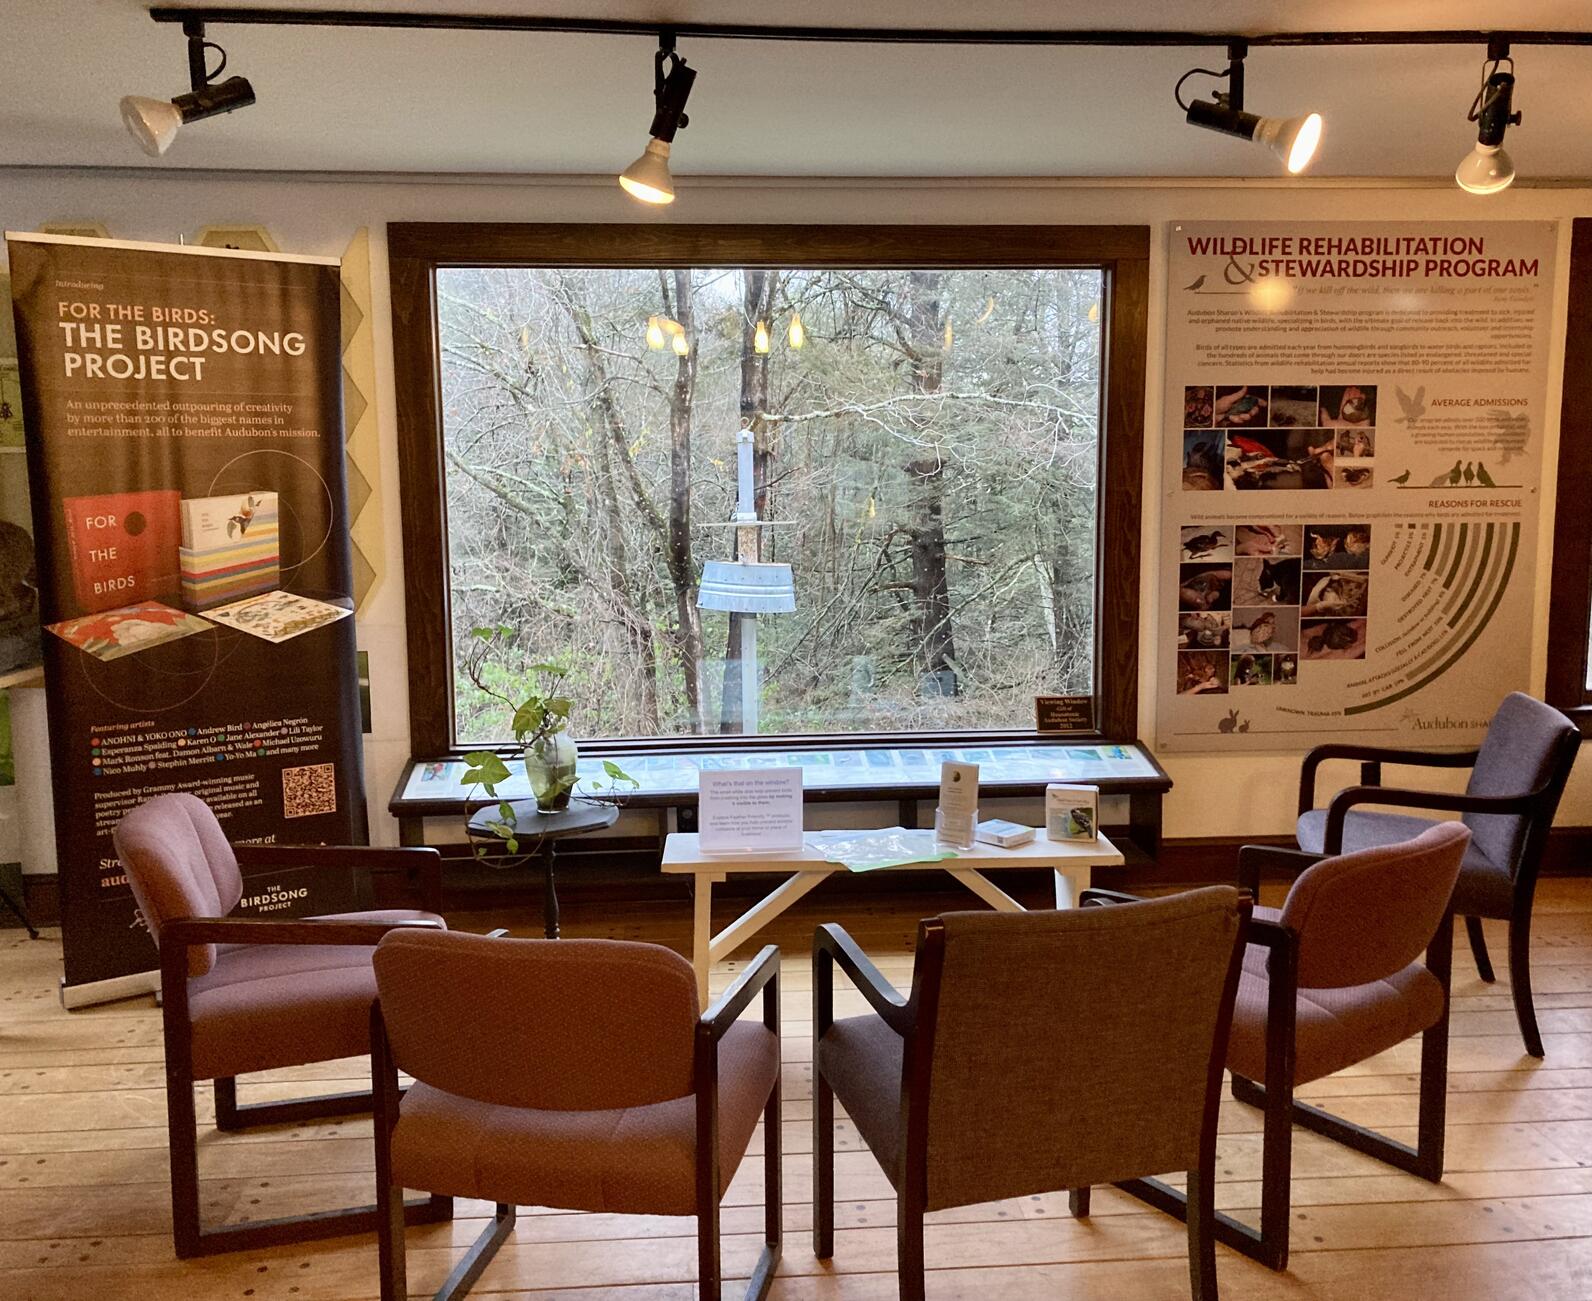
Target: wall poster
[1352,477]
[185,451]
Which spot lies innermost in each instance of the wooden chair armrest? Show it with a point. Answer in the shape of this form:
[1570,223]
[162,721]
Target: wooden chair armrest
[185,932]
[1096,897]
[1371,758]
[420,864]
[761,974]
[177,937]
[1432,801]
[831,942]
[1255,859]
[1268,934]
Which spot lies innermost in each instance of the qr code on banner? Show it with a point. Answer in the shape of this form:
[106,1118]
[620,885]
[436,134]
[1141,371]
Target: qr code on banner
[309,790]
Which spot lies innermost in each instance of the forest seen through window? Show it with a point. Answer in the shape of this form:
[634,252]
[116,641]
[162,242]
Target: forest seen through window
[925,457]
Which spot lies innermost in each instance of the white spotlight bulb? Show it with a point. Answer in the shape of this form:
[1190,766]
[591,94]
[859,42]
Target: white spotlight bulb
[1293,139]
[152,122]
[1486,169]
[648,177]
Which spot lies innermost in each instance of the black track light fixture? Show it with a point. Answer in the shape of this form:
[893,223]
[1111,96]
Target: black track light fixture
[1488,168]
[648,178]
[154,122]
[1294,139]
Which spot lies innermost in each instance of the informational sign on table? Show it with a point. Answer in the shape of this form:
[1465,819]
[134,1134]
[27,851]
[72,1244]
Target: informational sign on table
[184,431]
[1352,479]
[751,811]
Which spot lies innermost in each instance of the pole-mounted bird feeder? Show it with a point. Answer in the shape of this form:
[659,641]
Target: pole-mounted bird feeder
[746,586]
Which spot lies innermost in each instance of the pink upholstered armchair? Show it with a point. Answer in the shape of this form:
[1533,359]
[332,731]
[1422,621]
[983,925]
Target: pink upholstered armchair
[568,1073]
[240,995]
[1334,977]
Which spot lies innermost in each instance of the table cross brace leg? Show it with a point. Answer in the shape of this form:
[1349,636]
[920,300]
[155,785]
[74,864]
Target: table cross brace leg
[705,951]
[986,889]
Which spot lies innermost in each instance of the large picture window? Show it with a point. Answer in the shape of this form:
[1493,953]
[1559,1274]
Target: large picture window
[773,497]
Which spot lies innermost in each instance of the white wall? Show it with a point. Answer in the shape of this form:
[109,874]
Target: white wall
[1215,795]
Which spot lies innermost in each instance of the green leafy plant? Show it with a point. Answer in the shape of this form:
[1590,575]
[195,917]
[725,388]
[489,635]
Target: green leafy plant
[538,711]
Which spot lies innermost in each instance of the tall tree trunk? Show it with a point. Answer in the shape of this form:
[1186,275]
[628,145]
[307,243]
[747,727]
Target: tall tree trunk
[757,301]
[936,649]
[610,445]
[634,620]
[677,549]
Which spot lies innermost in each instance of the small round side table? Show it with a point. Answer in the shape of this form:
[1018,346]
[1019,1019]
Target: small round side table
[541,832]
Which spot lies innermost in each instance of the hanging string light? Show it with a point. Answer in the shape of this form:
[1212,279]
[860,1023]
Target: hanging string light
[797,334]
[655,336]
[760,338]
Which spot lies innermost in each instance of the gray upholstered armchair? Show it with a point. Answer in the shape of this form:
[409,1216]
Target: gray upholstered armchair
[1516,779]
[1021,1065]
[568,1073]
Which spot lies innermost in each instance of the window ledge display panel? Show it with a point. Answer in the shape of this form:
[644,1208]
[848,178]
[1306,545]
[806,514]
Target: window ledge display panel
[436,787]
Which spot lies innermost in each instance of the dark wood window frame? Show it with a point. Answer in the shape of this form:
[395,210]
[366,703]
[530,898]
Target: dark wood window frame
[416,250]
[1570,590]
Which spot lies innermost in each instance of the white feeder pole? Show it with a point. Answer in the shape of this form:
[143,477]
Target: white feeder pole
[749,691]
[749,551]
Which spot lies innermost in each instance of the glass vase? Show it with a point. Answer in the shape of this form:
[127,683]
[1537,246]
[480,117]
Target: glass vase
[550,766]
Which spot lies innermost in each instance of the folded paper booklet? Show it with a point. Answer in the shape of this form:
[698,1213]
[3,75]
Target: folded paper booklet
[111,634]
[277,616]
[1072,812]
[868,851]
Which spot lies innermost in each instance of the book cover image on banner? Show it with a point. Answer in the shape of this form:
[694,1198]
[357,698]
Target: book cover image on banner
[185,452]
[1351,480]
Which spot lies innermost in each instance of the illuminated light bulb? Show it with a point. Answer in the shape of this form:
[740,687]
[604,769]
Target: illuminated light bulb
[1487,169]
[1294,139]
[950,335]
[1094,310]
[760,338]
[798,335]
[681,347]
[655,339]
[648,177]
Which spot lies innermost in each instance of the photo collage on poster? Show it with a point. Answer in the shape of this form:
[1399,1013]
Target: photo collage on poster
[1256,599]
[1283,437]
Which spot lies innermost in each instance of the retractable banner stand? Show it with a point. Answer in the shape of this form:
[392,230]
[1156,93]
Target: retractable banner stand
[185,449]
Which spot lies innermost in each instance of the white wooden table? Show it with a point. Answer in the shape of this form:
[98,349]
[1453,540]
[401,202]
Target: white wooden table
[1070,861]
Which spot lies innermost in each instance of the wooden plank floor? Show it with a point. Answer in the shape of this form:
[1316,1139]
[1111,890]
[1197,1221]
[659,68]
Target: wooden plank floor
[84,1203]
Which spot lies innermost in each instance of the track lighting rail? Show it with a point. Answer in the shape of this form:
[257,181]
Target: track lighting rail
[268,17]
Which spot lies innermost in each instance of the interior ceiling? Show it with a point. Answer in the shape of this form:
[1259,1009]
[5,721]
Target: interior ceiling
[422,101]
